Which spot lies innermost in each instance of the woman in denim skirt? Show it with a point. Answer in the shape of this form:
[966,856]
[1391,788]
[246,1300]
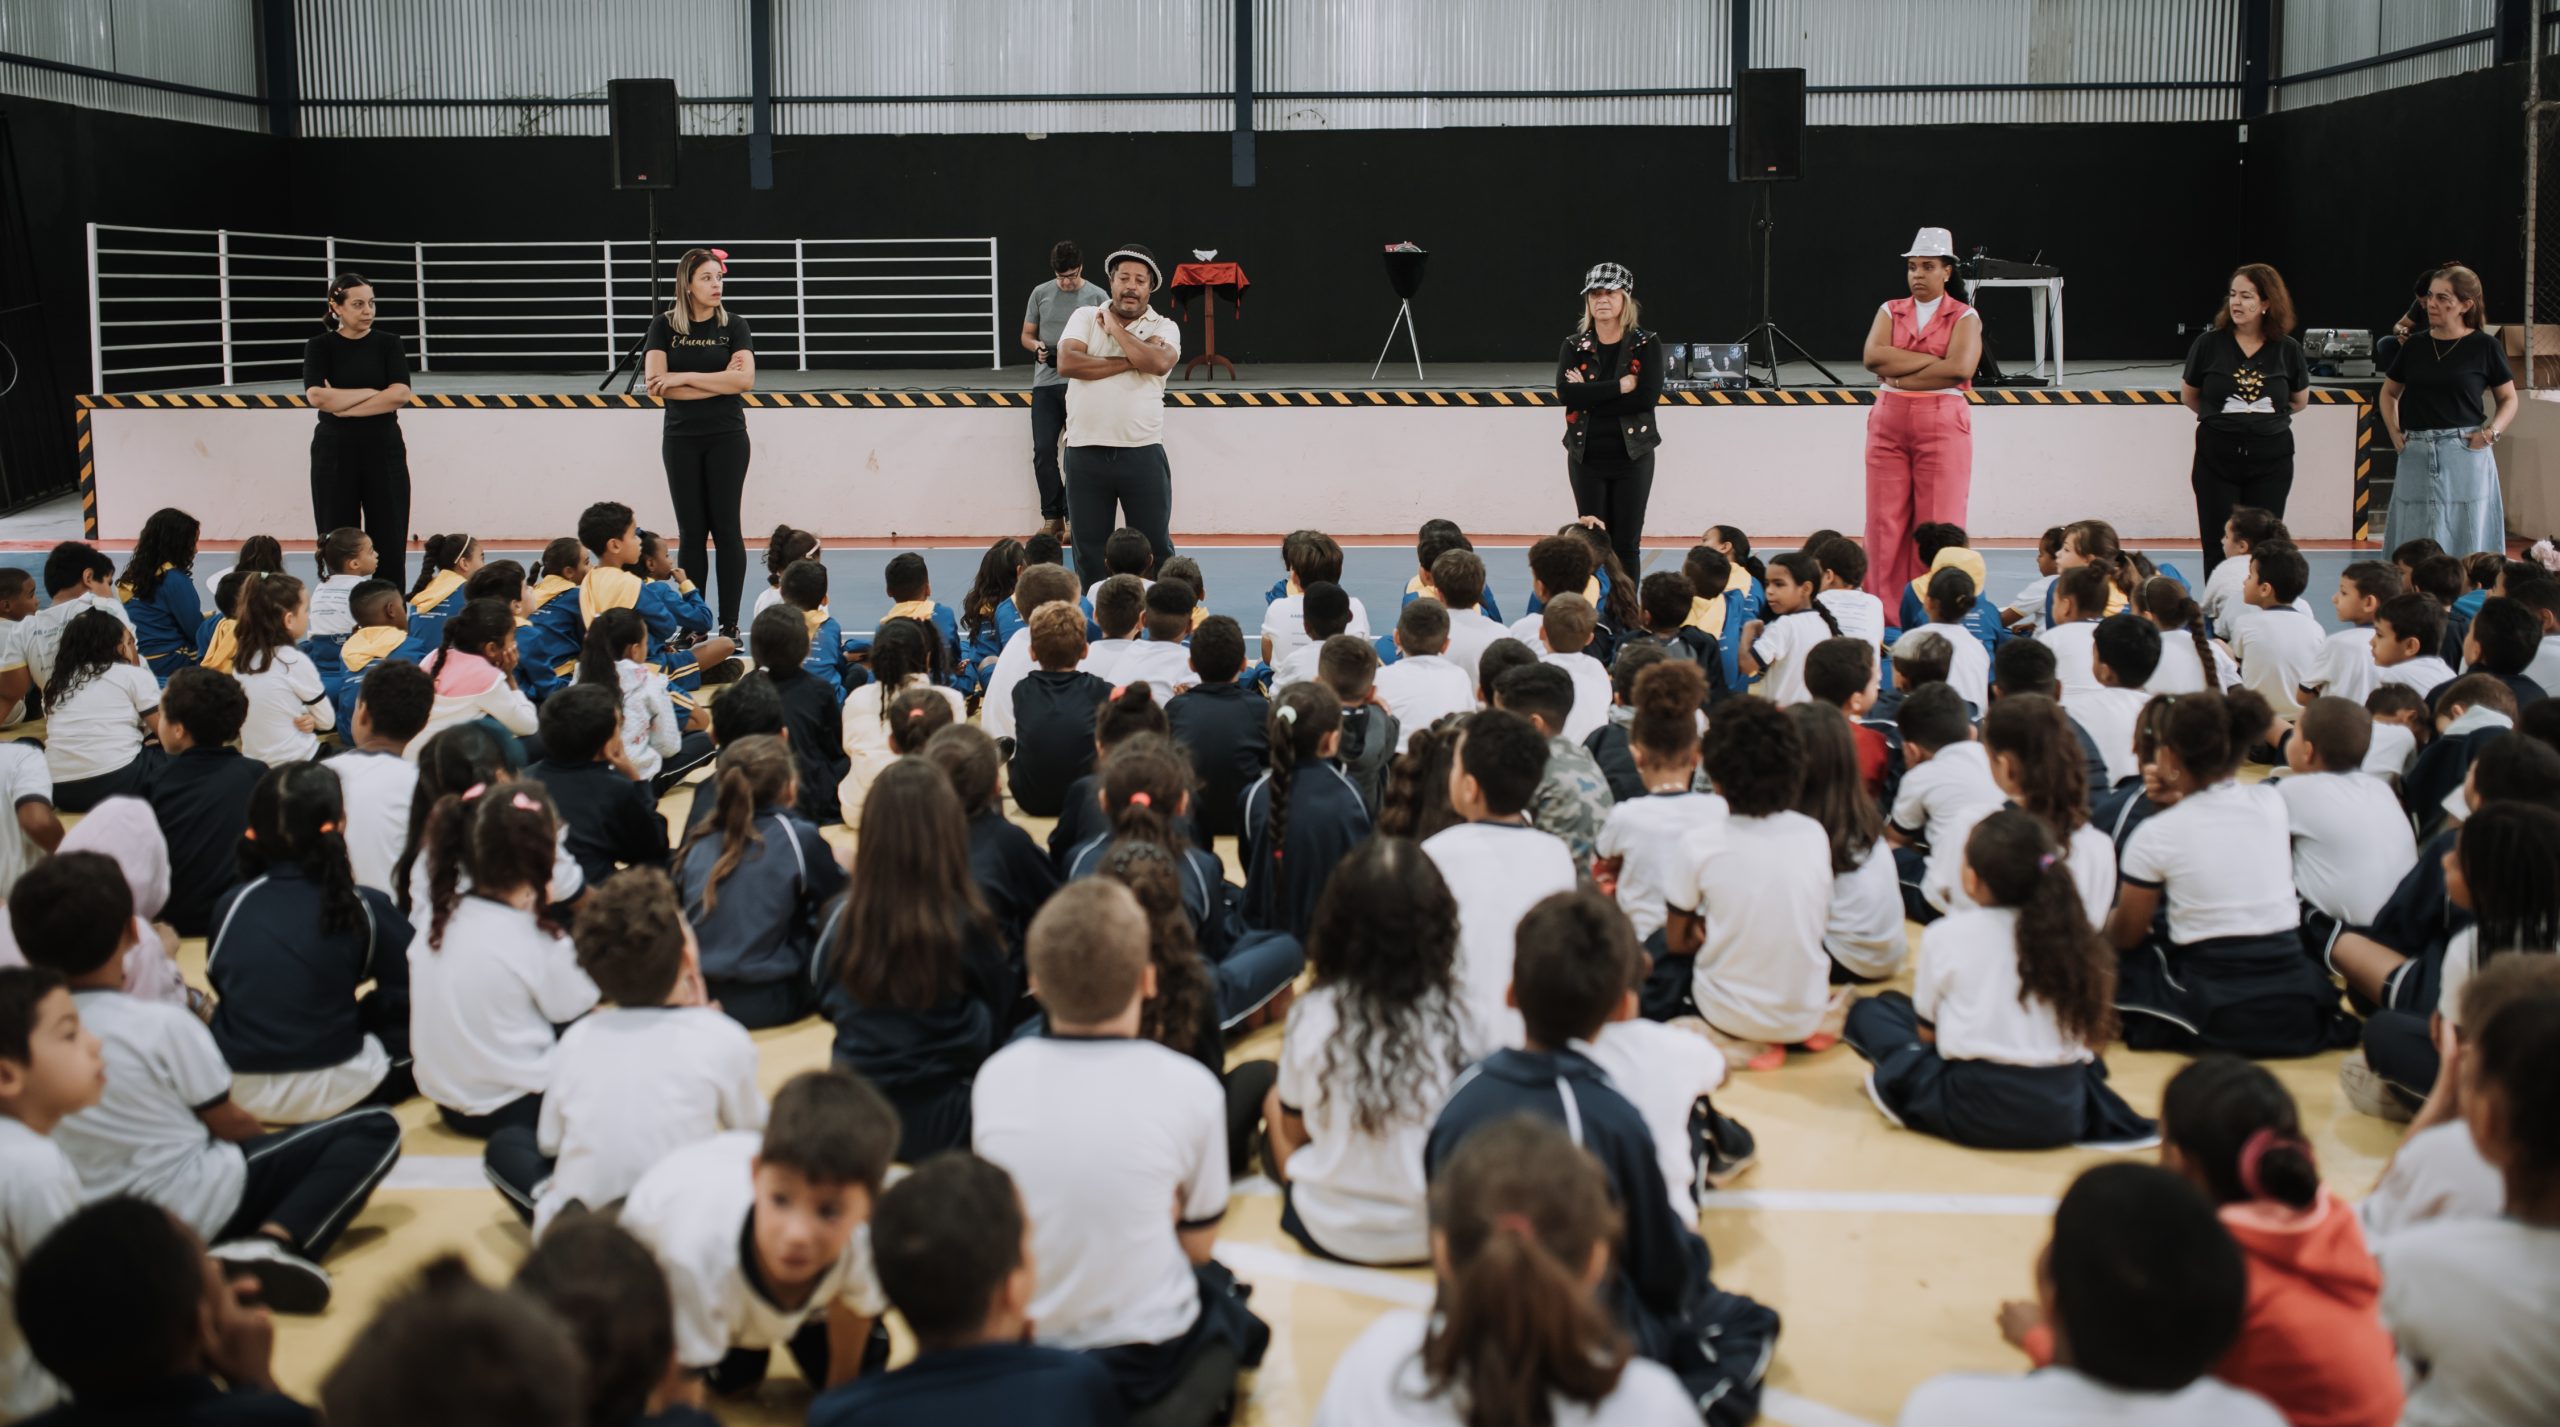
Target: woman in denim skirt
[2436,404]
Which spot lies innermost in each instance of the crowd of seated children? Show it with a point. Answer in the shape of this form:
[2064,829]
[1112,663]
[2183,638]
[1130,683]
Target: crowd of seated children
[1573,798]
[1222,719]
[755,878]
[1303,815]
[1424,685]
[1370,730]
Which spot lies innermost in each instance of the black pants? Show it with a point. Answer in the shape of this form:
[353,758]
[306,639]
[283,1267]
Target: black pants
[761,1005]
[2234,471]
[310,1180]
[1048,423]
[515,1163]
[695,751]
[707,479]
[361,478]
[133,780]
[523,1112]
[1135,479]
[2397,1046]
[744,1368]
[1615,493]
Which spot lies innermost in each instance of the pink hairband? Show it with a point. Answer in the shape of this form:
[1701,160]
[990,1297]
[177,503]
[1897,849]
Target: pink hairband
[2254,1151]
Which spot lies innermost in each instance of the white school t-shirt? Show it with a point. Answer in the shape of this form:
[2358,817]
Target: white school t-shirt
[13,655]
[691,1210]
[1592,694]
[1114,1143]
[631,1085]
[2394,745]
[2437,1173]
[2544,671]
[1300,667]
[1763,886]
[2028,605]
[2472,1303]
[2224,591]
[285,690]
[2090,858]
[1126,408]
[1649,835]
[1164,665]
[1422,689]
[1379,1382]
[1284,623]
[143,1137]
[2351,842]
[38,1190]
[1861,615]
[2223,860]
[1967,986]
[1664,1072]
[40,634]
[1471,633]
[2074,647]
[1970,672]
[2277,649]
[378,789]
[99,728]
[2109,715]
[2344,668]
[1781,649]
[1101,658]
[24,779]
[2461,963]
[1938,803]
[2062,1397]
[2181,670]
[1496,872]
[330,618]
[1863,931]
[481,1007]
[1363,1196]
[1013,665]
[2425,674]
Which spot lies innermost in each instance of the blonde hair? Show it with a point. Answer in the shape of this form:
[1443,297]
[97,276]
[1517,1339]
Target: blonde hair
[680,315]
[1630,321]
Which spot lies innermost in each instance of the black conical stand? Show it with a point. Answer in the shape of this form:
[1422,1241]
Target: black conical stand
[1768,335]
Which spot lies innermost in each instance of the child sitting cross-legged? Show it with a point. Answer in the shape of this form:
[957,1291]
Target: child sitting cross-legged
[585,768]
[1221,719]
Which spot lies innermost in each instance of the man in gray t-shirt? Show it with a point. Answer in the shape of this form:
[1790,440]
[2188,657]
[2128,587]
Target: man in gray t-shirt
[1052,303]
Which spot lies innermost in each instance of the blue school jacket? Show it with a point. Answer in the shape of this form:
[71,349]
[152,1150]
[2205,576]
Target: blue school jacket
[288,989]
[1982,619]
[1018,1383]
[944,622]
[424,634]
[165,624]
[765,927]
[1207,895]
[555,636]
[979,656]
[1326,820]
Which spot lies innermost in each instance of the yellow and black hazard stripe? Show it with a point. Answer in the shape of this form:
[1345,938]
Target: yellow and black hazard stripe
[86,454]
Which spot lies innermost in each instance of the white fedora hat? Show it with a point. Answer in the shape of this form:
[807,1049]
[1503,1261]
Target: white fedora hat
[1932,243]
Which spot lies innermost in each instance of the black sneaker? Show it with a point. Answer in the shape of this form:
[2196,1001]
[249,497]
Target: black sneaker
[287,1282]
[1729,1149]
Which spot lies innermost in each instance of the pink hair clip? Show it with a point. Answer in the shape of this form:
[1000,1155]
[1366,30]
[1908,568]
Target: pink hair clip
[1515,1224]
[526,804]
[723,255]
[1140,799]
[474,791]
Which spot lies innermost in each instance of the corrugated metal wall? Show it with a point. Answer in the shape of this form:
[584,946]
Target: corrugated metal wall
[2317,35]
[525,55]
[1853,43]
[915,53]
[209,43]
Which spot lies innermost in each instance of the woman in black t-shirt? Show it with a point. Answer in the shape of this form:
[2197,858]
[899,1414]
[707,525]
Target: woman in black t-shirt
[2436,397]
[357,377]
[700,359]
[1609,379]
[2246,377]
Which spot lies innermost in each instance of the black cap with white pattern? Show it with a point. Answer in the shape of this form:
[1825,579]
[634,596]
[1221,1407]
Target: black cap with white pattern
[1609,275]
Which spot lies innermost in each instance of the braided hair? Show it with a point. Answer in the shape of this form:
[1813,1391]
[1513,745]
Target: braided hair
[2170,606]
[1303,715]
[1805,570]
[455,759]
[1182,1015]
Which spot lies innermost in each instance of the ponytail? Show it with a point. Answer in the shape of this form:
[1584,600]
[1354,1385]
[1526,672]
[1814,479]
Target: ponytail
[504,834]
[2052,767]
[455,759]
[600,661]
[756,772]
[560,557]
[1183,1006]
[787,545]
[1415,800]
[2211,733]
[476,628]
[1144,782]
[1522,1210]
[2238,1130]
[442,552]
[901,649]
[337,549]
[2171,607]
[1302,716]
[297,816]
[1807,571]
[2062,962]
[266,601]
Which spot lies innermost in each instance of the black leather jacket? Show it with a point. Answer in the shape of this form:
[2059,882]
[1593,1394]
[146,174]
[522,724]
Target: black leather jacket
[1596,397]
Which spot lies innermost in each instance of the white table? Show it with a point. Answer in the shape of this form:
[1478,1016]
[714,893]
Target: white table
[2048,307]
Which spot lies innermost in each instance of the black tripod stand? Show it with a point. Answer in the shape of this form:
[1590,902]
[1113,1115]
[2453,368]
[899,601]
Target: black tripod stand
[631,359]
[1768,334]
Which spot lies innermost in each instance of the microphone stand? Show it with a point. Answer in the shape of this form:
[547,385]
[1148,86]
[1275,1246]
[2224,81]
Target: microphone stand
[631,360]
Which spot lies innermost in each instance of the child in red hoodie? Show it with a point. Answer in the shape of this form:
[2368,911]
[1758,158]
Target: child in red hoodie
[2311,1340]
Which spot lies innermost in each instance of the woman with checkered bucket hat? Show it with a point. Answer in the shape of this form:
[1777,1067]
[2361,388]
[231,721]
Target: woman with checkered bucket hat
[1609,378]
[1923,349]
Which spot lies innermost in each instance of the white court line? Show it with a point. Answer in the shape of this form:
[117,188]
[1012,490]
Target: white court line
[1832,1201]
[1254,1260]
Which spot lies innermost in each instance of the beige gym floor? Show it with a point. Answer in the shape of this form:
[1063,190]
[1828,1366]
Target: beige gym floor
[1887,1253]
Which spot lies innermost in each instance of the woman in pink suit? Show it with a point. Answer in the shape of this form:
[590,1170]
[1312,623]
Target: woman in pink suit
[1920,432]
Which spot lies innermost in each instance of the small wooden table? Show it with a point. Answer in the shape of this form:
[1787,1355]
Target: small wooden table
[1216,280]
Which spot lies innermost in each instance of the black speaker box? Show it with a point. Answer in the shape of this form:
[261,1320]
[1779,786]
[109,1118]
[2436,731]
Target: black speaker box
[644,132]
[1768,127]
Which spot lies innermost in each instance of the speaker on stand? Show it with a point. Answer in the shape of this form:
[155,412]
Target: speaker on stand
[1766,147]
[643,114]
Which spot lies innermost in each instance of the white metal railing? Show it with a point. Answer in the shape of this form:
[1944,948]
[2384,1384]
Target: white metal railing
[175,307]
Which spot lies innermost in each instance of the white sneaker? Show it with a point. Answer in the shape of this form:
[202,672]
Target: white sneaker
[2367,1091]
[287,1282]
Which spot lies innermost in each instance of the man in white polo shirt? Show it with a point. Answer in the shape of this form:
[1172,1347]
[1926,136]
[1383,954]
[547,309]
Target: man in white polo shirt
[1115,358]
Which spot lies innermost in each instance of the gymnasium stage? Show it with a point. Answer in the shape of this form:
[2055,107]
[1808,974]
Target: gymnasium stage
[940,456]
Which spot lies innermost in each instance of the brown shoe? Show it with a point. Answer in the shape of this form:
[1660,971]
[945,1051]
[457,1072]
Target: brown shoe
[1057,526]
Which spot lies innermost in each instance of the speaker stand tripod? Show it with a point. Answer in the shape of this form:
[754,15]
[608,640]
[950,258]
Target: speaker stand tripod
[1404,318]
[631,359]
[1768,334]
